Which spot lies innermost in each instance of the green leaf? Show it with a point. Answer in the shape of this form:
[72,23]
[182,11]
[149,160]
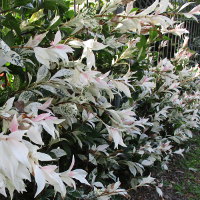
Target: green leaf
[70,14]
[75,194]
[134,9]
[143,42]
[142,45]
[166,37]
[36,16]
[140,53]
[22,2]
[54,23]
[153,35]
[16,83]
[9,39]
[52,4]
[11,23]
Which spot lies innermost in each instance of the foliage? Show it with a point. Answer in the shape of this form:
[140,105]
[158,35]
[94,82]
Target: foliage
[88,87]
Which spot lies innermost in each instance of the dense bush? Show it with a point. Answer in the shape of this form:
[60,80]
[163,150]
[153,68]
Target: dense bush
[86,104]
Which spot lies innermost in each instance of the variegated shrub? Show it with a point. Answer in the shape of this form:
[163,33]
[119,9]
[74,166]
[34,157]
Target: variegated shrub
[95,95]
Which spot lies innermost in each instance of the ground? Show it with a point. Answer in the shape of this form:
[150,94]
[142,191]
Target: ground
[182,181]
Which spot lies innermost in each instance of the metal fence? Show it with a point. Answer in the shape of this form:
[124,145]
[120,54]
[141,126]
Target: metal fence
[190,24]
[175,42]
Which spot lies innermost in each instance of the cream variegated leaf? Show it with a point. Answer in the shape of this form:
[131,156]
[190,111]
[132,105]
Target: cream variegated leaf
[42,74]
[25,96]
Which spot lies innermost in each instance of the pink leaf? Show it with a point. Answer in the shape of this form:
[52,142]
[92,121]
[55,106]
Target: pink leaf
[46,104]
[49,168]
[115,134]
[14,124]
[57,39]
[36,40]
[195,10]
[41,117]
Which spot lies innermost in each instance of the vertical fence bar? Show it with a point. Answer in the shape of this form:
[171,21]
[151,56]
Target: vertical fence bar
[75,7]
[99,6]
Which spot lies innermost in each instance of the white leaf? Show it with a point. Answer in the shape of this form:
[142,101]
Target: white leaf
[162,7]
[80,174]
[188,15]
[42,73]
[5,48]
[159,191]
[147,180]
[98,184]
[57,38]
[75,43]
[102,147]
[123,88]
[14,58]
[43,157]
[188,133]
[115,116]
[45,105]
[115,134]
[132,168]
[180,152]
[176,139]
[59,152]
[25,96]
[32,107]
[55,19]
[98,46]
[9,103]
[90,57]
[34,133]
[62,72]
[7,55]
[150,9]
[68,180]
[193,169]
[185,5]
[92,159]
[48,127]
[8,162]
[39,179]
[19,150]
[49,88]
[42,55]
[2,187]
[147,162]
[129,7]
